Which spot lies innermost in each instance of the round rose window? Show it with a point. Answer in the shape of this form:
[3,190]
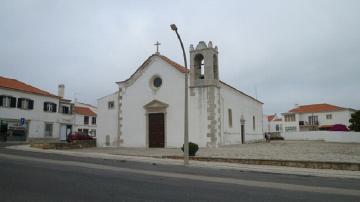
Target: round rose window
[157,82]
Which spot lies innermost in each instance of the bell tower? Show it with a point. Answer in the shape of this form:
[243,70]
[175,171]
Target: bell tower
[205,93]
[204,70]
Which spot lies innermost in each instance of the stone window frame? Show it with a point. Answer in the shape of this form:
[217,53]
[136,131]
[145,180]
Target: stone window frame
[155,106]
[151,82]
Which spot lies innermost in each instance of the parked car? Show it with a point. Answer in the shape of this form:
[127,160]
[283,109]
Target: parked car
[78,136]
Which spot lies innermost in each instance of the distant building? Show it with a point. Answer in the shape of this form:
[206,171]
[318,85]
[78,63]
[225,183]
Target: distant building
[272,123]
[147,110]
[27,112]
[315,117]
[85,118]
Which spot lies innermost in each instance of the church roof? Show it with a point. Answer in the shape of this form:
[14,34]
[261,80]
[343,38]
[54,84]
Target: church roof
[181,69]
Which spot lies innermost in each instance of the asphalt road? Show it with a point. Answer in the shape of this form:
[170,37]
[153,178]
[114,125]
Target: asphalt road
[28,176]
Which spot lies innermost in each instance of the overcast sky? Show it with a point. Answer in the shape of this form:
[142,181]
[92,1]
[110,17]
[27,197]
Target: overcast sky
[282,52]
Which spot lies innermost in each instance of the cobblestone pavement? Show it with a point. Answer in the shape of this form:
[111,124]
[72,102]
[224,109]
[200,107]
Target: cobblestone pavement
[281,150]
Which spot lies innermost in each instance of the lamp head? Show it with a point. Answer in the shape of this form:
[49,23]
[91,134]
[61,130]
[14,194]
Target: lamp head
[173,27]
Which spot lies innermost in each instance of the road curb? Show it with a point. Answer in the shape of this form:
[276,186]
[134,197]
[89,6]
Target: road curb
[288,163]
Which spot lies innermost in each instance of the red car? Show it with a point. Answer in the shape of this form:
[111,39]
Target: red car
[78,136]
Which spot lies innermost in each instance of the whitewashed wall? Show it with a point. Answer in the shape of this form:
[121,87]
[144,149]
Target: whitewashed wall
[240,105]
[328,136]
[106,120]
[36,117]
[338,117]
[140,93]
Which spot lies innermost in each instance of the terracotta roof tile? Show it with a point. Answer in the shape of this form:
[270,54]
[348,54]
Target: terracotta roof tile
[270,117]
[14,84]
[174,64]
[86,111]
[316,108]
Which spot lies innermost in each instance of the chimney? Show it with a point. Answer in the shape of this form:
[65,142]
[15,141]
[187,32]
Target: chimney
[61,90]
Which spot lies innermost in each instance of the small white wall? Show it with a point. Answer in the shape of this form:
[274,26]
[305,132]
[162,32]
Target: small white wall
[107,120]
[328,136]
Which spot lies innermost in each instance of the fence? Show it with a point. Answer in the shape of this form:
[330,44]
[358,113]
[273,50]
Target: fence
[327,136]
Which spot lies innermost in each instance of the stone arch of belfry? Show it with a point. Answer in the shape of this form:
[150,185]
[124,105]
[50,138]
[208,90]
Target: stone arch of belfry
[205,88]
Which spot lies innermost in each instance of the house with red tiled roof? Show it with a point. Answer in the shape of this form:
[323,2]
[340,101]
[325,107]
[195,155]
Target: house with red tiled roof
[315,117]
[272,123]
[28,112]
[148,108]
[85,118]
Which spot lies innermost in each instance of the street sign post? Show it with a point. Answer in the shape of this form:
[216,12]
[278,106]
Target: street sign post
[22,121]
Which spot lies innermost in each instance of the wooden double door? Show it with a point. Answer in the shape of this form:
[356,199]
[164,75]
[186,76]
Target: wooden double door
[157,130]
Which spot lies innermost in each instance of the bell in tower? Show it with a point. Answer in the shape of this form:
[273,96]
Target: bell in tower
[204,65]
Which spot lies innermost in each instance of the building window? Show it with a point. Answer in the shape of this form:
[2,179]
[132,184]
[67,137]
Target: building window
[86,120]
[289,117]
[93,120]
[48,129]
[110,104]
[254,123]
[290,129]
[277,127]
[85,131]
[7,101]
[156,82]
[49,107]
[79,130]
[230,117]
[93,132]
[24,103]
[65,110]
[313,120]
[328,116]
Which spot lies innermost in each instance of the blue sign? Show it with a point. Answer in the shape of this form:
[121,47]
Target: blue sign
[22,121]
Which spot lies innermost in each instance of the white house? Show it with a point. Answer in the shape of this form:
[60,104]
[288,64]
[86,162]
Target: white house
[147,110]
[28,113]
[315,117]
[85,118]
[272,123]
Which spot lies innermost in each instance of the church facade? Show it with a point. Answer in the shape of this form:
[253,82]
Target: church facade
[147,110]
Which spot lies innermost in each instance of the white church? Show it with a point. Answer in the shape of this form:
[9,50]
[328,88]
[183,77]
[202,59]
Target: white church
[147,110]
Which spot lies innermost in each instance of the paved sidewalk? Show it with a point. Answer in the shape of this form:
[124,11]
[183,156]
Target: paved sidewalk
[212,165]
[276,150]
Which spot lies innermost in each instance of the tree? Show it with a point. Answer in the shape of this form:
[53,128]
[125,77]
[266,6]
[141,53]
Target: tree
[355,121]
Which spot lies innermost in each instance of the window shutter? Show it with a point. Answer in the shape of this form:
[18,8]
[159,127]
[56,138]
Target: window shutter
[54,108]
[31,104]
[45,104]
[1,100]
[19,102]
[12,102]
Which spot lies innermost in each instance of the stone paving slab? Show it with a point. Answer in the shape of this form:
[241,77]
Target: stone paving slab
[276,150]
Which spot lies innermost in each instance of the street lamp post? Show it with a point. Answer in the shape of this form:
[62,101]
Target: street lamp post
[186,116]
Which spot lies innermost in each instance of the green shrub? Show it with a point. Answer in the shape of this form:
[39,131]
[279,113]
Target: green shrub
[193,148]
